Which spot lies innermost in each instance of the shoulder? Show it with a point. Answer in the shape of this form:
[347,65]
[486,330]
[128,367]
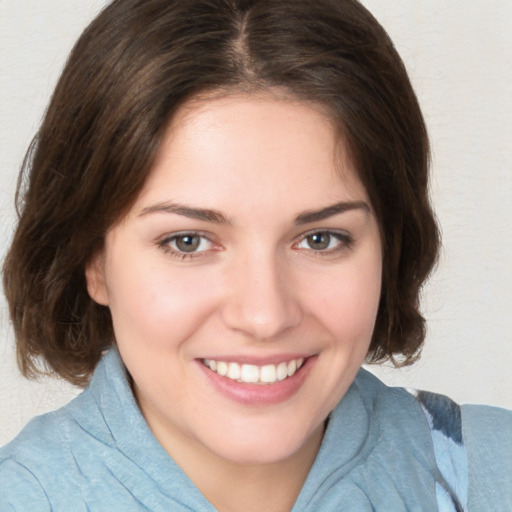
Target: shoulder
[488,435]
[20,488]
[40,459]
[473,446]
[490,424]
[24,465]
[42,435]
[47,440]
[51,433]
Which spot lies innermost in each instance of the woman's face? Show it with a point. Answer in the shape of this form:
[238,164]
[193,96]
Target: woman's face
[245,280]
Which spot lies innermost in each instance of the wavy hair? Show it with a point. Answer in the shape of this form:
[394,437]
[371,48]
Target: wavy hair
[131,69]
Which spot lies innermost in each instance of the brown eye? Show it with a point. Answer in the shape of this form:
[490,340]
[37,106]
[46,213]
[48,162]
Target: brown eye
[325,242]
[187,243]
[319,241]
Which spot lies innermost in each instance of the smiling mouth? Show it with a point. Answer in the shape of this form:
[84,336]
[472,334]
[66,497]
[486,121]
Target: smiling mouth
[253,374]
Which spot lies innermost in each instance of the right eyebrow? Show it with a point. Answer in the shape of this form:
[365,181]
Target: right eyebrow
[204,214]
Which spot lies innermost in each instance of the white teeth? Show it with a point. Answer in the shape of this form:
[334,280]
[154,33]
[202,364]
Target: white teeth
[222,368]
[282,371]
[268,373]
[234,371]
[252,374]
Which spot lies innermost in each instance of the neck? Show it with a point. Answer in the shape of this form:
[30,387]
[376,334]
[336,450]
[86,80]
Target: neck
[231,486]
[272,487]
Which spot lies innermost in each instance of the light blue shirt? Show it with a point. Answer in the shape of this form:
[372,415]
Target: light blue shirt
[383,450]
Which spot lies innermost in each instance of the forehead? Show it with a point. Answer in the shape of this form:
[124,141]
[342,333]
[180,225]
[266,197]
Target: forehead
[245,144]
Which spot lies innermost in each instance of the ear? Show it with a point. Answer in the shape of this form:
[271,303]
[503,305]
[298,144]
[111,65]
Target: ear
[95,278]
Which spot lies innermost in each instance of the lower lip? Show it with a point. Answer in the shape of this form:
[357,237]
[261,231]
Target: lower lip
[263,394]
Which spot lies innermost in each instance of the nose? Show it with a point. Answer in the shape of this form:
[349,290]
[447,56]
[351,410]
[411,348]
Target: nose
[261,302]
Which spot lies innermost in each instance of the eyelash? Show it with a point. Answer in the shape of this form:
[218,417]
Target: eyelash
[345,241]
[176,253]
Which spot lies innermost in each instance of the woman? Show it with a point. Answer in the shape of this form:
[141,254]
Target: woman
[225,214]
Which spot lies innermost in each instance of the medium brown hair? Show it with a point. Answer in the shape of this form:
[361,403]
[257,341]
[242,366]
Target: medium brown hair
[131,69]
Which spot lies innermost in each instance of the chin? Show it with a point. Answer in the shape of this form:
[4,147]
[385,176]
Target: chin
[266,444]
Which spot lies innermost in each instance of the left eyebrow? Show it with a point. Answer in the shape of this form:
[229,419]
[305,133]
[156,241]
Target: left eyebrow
[330,211]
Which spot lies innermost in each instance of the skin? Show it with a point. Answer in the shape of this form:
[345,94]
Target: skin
[258,287]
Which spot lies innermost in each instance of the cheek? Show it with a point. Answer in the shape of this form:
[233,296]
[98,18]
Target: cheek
[348,301]
[159,305]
